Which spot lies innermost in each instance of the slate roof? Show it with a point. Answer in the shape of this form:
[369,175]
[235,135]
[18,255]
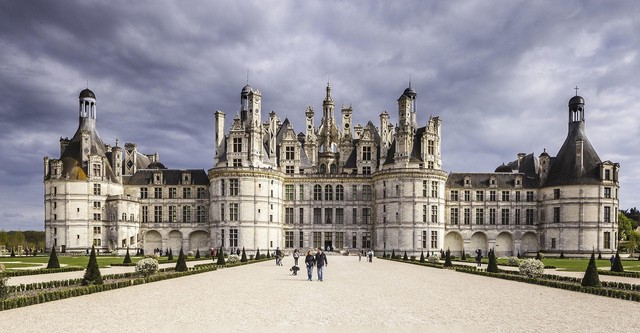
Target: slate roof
[482,180]
[169,176]
[71,158]
[565,171]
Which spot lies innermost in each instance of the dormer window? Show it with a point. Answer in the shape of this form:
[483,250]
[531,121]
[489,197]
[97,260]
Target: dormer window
[186,179]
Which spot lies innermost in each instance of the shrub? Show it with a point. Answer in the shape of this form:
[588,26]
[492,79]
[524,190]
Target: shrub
[617,264]
[220,257]
[513,261]
[170,255]
[433,259]
[539,255]
[92,273]
[519,256]
[233,259]
[13,254]
[561,254]
[198,254]
[591,277]
[244,256]
[147,267]
[599,255]
[393,254]
[413,258]
[53,259]
[127,258]
[422,256]
[405,256]
[3,283]
[447,259]
[464,256]
[190,254]
[257,254]
[531,268]
[493,263]
[268,253]
[181,265]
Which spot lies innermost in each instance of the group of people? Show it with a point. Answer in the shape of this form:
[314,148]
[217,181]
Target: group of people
[369,255]
[311,260]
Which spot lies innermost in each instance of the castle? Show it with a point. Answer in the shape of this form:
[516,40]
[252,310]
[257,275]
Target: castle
[333,186]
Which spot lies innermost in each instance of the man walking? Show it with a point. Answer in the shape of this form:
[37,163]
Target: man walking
[321,262]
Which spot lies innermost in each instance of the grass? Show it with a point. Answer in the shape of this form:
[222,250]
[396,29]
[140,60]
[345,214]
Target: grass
[77,261]
[580,265]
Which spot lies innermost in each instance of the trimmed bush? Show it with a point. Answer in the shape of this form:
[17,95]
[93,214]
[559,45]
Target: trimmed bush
[405,256]
[3,283]
[519,256]
[220,257]
[198,254]
[561,254]
[513,261]
[591,277]
[599,255]
[447,259]
[257,257]
[127,258]
[532,268]
[13,254]
[147,267]
[617,264]
[244,256]
[190,254]
[433,259]
[464,256]
[233,259]
[393,254]
[92,273]
[493,263]
[53,259]
[181,265]
[539,256]
[170,257]
[268,253]
[422,256]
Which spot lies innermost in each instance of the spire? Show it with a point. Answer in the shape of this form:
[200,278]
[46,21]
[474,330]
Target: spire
[328,97]
[576,88]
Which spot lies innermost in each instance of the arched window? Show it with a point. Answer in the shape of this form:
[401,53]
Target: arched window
[333,168]
[317,192]
[328,192]
[339,192]
[323,168]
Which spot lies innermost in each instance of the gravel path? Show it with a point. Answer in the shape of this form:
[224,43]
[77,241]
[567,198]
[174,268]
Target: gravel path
[355,297]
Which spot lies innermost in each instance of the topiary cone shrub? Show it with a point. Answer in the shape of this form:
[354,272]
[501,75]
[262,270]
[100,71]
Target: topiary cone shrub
[519,256]
[617,264]
[393,254]
[220,257]
[170,255]
[181,265]
[127,258]
[447,259]
[53,259]
[92,273]
[493,263]
[405,256]
[464,256]
[599,255]
[422,256]
[591,277]
[13,254]
[561,254]
[538,256]
[244,256]
[198,254]
[257,254]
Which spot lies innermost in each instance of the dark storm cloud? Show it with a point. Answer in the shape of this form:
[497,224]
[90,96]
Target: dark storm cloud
[499,74]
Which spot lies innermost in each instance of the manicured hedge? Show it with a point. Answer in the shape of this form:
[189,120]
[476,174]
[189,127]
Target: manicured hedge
[26,272]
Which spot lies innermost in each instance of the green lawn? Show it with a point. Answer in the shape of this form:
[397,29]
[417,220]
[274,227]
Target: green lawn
[580,265]
[79,261]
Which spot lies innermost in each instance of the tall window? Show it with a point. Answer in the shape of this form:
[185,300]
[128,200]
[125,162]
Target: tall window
[492,195]
[96,170]
[434,214]
[479,195]
[96,189]
[505,195]
[186,214]
[354,192]
[454,195]
[237,145]
[157,192]
[288,239]
[301,192]
[328,192]
[529,196]
[288,215]
[233,211]
[157,214]
[186,193]
[201,213]
[172,192]
[424,239]
[354,240]
[301,239]
[339,215]
[425,213]
[328,215]
[467,216]
[223,187]
[172,214]
[144,193]
[301,216]
[454,216]
[607,240]
[317,239]
[528,216]
[517,196]
[424,188]
[354,215]
[556,193]
[317,192]
[145,214]
[221,212]
[366,215]
[233,237]
[430,147]
[289,152]
[317,215]
[339,240]
[607,214]
[367,194]
[607,192]
[504,216]
[201,193]
[234,186]
[366,240]
[366,153]
[288,192]
[492,216]
[467,195]
[434,189]
[339,192]
[479,216]
[434,239]
[556,214]
[517,216]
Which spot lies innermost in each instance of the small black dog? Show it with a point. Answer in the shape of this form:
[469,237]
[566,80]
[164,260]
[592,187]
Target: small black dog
[295,270]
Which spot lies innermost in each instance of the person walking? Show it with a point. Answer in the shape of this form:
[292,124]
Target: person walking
[321,263]
[370,255]
[479,257]
[278,257]
[296,255]
[310,261]
[359,255]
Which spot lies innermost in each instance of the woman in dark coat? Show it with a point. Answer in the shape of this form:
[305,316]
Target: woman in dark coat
[310,261]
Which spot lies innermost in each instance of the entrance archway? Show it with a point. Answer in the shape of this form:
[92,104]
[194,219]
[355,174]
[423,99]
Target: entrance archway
[504,245]
[152,240]
[479,241]
[175,241]
[199,240]
[453,242]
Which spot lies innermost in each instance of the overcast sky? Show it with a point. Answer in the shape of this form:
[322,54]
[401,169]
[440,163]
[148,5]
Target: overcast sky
[498,73]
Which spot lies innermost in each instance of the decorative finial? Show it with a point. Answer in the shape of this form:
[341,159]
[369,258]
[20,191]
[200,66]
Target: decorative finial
[576,88]
[409,80]
[116,142]
[87,84]
[247,76]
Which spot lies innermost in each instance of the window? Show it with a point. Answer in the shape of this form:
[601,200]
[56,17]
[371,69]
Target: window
[366,153]
[467,195]
[529,196]
[354,240]
[467,216]
[96,204]
[339,215]
[144,193]
[454,195]
[317,192]
[288,192]
[366,215]
[221,212]
[492,216]
[505,195]
[97,230]
[237,162]
[517,196]
[607,214]
[289,169]
[479,216]
[607,240]
[424,239]
[556,193]
[339,240]
[553,243]
[317,239]
[172,214]
[234,187]
[434,189]
[96,189]
[367,194]
[288,215]
[328,192]
[186,214]
[366,240]
[354,215]
[96,170]
[289,153]
[354,192]
[517,216]
[288,239]
[201,214]
[301,216]
[424,188]
[233,211]
[233,237]
[492,195]
[301,239]
[237,145]
[172,192]
[434,214]
[528,216]
[429,164]
[186,193]
[454,216]
[222,236]
[157,192]
[479,195]
[328,215]
[201,193]
[339,192]
[424,213]
[366,170]
[607,192]
[317,215]
[145,214]
[607,174]
[504,216]
[434,239]
[430,147]
[301,192]
[556,214]
[397,190]
[97,242]
[157,214]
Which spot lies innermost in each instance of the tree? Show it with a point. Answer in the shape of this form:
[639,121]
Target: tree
[198,254]
[53,259]
[92,273]
[220,257]
[170,255]
[244,256]
[617,264]
[181,265]
[493,263]
[421,256]
[447,260]
[127,258]
[257,254]
[591,277]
